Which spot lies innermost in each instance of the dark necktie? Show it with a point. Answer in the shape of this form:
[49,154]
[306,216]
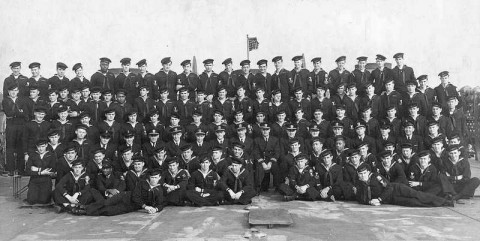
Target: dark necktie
[147,108]
[96,110]
[168,82]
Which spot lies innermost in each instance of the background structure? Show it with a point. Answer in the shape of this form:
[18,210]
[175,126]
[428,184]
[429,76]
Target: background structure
[435,35]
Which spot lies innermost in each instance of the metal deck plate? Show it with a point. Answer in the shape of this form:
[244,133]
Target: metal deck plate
[269,217]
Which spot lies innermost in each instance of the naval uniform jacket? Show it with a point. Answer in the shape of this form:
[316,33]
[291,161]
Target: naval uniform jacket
[241,181]
[132,178]
[281,81]
[208,183]
[16,111]
[191,82]
[428,178]
[393,173]
[69,184]
[301,78]
[106,81]
[20,81]
[329,177]
[378,77]
[56,83]
[48,160]
[146,195]
[112,181]
[209,84]
[167,80]
[401,77]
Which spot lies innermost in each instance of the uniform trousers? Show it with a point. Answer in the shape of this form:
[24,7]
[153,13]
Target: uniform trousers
[196,198]
[310,194]
[14,154]
[404,195]
[115,205]
[245,198]
[462,188]
[86,198]
[263,177]
[339,190]
[176,197]
[39,190]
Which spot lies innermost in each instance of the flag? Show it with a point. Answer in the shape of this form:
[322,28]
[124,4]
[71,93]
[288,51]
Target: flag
[252,44]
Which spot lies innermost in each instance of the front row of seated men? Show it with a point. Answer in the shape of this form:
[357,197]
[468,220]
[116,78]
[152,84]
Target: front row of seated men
[382,182]
[210,181]
[154,190]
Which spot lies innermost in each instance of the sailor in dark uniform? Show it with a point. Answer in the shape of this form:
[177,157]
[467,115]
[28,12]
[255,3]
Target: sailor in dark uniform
[15,109]
[174,182]
[319,76]
[373,189]
[301,77]
[209,80]
[203,186]
[459,182]
[281,79]
[237,184]
[401,74]
[59,80]
[300,182]
[339,75]
[16,78]
[188,79]
[361,76]
[380,74]
[103,78]
[37,80]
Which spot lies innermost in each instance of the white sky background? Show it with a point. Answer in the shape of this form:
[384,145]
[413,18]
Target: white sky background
[434,35]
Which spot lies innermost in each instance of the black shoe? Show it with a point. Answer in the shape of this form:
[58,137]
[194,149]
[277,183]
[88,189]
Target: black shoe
[289,198]
[449,203]
[68,208]
[58,209]
[449,196]
[457,197]
[78,211]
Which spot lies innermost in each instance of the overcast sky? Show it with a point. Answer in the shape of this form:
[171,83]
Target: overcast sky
[434,35]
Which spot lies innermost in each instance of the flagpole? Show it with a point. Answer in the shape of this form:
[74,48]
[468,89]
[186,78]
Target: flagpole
[248,51]
[304,64]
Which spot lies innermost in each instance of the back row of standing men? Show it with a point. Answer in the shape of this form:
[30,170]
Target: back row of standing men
[209,81]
